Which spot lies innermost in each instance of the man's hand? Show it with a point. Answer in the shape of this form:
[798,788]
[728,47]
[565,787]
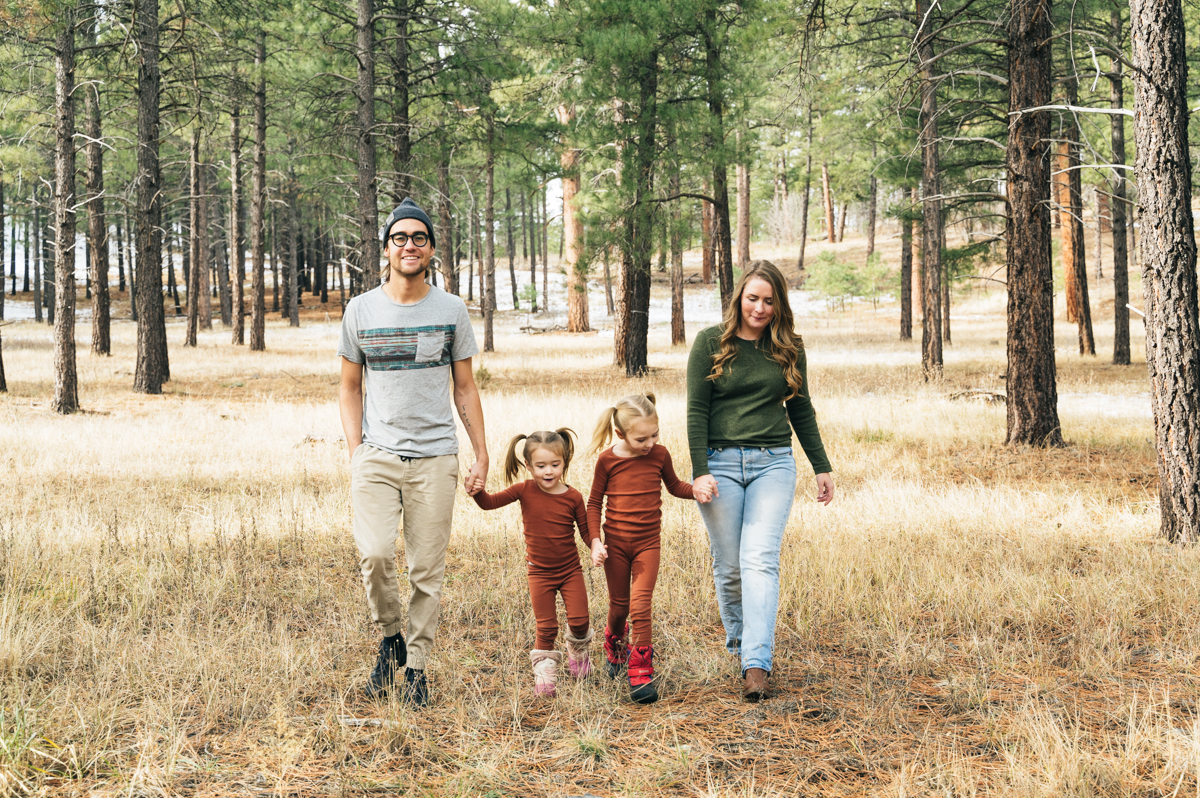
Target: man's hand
[476,477]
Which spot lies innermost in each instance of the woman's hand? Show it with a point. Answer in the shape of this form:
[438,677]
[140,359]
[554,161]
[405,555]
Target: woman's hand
[824,488]
[704,489]
[599,553]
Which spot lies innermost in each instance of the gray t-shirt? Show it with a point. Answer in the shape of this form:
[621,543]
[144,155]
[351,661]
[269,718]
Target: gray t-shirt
[407,351]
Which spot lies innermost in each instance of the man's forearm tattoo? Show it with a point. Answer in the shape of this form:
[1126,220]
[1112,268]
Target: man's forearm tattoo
[466,419]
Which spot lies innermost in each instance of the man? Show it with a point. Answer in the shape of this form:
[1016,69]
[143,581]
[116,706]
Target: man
[402,345]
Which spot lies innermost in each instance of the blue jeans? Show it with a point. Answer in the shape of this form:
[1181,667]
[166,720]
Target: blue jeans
[745,531]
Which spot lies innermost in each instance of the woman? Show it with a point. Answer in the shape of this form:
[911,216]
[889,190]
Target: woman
[746,381]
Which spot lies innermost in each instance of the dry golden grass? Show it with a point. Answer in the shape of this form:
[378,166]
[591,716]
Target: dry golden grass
[181,614]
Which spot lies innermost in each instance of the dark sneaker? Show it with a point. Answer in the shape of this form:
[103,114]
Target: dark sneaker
[392,656]
[416,690]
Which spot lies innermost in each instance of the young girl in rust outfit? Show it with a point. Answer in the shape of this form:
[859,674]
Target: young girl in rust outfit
[550,511]
[627,487]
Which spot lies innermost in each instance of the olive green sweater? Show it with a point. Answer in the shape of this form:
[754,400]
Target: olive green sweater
[744,406]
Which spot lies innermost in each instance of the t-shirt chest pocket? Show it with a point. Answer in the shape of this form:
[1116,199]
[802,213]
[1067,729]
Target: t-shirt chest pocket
[430,346]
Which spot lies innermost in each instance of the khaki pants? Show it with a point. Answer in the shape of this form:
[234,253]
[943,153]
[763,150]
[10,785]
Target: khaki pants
[386,489]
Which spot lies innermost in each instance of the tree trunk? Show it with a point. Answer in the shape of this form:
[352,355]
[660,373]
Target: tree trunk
[292,224]
[488,291]
[1031,382]
[1087,342]
[715,80]
[675,237]
[807,194]
[368,210]
[236,235]
[872,195]
[195,294]
[574,264]
[608,284]
[258,201]
[66,383]
[97,234]
[842,221]
[220,253]
[931,205]
[918,260]
[204,264]
[1116,185]
[827,193]
[531,219]
[743,215]
[49,261]
[906,279]
[153,367]
[402,139]
[639,227]
[1168,255]
[446,234]
[1062,203]
[512,266]
[37,258]
[545,249]
[707,249]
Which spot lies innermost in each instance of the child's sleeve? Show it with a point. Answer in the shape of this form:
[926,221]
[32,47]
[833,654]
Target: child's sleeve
[596,499]
[494,501]
[587,533]
[675,486]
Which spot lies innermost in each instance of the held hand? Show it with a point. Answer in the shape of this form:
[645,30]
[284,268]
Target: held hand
[705,489]
[476,477]
[824,488]
[599,553]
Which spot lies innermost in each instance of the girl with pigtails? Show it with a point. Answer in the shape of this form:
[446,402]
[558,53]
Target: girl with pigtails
[550,511]
[627,489]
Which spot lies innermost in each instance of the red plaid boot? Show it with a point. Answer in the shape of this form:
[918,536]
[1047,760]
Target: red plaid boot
[615,651]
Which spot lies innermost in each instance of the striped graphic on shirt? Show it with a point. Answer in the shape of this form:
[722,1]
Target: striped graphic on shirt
[402,348]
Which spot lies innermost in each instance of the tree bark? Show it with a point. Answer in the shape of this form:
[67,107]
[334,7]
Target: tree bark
[368,210]
[842,221]
[446,234]
[675,237]
[402,151]
[1168,255]
[195,294]
[872,200]
[906,279]
[715,80]
[806,196]
[153,367]
[931,204]
[1078,260]
[743,215]
[1031,382]
[508,241]
[707,248]
[292,224]
[66,382]
[1062,204]
[236,235]
[1116,183]
[97,234]
[37,258]
[258,200]
[574,264]
[637,252]
[488,291]
[827,194]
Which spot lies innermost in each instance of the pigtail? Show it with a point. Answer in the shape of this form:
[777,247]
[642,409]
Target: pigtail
[512,463]
[603,433]
[650,395]
[568,446]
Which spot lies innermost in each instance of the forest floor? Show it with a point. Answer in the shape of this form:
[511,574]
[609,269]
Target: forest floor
[181,611]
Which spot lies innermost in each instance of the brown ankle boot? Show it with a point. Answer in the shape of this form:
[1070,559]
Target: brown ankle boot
[755,688]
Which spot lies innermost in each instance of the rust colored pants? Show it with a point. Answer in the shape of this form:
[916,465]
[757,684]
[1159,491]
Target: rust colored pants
[632,571]
[542,588]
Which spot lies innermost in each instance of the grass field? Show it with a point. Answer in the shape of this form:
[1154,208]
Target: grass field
[181,613]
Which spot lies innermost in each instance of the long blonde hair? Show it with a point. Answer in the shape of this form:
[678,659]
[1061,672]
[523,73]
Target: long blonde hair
[560,441]
[621,416]
[781,343]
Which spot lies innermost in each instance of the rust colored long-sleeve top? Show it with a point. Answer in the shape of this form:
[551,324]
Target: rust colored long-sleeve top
[550,520]
[633,487]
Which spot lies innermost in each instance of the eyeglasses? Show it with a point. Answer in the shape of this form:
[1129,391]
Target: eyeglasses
[399,240]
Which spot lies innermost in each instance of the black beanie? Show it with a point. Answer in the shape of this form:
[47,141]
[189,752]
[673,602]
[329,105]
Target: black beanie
[408,210]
